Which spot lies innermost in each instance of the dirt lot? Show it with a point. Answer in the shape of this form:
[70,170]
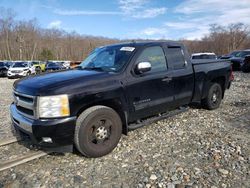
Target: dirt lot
[198,148]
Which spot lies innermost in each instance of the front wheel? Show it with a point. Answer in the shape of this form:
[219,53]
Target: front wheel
[98,131]
[28,73]
[38,70]
[214,97]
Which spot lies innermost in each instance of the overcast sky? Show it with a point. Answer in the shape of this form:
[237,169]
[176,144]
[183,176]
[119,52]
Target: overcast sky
[147,19]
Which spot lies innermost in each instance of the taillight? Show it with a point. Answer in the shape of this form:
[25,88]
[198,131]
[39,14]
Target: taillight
[231,74]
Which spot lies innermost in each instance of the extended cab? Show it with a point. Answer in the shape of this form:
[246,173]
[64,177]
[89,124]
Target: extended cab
[115,89]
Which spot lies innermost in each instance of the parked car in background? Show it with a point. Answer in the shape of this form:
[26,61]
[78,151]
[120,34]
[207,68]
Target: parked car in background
[39,66]
[21,69]
[231,55]
[3,68]
[238,60]
[9,63]
[53,66]
[246,64]
[205,55]
[74,64]
[66,64]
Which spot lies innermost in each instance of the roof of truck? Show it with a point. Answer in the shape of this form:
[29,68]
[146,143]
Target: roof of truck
[144,43]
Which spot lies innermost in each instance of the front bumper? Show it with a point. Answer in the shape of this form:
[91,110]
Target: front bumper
[16,75]
[61,131]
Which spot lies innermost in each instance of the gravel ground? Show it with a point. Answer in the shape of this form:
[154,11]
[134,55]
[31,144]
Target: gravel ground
[5,101]
[198,148]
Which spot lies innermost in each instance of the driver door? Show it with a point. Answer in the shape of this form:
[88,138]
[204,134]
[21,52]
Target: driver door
[151,92]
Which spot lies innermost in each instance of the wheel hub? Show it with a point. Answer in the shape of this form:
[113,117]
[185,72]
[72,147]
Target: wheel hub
[214,97]
[101,133]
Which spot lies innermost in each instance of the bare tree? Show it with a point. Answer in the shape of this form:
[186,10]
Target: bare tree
[6,25]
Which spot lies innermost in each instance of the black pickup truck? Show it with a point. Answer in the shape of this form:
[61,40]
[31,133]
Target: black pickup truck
[115,89]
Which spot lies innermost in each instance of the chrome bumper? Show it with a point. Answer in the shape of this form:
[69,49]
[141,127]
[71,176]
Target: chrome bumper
[20,121]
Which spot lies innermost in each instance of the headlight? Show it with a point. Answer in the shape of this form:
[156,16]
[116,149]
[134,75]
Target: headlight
[53,106]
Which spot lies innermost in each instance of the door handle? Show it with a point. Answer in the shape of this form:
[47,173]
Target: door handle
[166,79]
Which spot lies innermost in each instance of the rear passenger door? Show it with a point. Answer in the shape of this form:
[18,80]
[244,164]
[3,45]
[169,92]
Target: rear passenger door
[183,77]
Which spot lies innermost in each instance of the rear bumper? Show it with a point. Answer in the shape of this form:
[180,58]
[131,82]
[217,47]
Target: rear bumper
[61,131]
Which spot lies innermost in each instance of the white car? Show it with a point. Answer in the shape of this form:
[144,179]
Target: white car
[204,55]
[21,69]
[66,64]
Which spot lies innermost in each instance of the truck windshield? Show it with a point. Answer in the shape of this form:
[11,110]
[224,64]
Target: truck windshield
[110,59]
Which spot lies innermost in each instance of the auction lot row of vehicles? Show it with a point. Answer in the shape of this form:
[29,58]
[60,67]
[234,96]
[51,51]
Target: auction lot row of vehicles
[13,69]
[239,59]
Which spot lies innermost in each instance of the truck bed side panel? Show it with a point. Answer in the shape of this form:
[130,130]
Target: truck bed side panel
[205,73]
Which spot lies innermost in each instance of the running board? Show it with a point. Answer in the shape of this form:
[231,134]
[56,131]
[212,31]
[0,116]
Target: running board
[154,119]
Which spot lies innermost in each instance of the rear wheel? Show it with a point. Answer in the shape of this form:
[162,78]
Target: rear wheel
[214,97]
[98,131]
[38,70]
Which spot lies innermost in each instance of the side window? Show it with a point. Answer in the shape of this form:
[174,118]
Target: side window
[155,56]
[176,58]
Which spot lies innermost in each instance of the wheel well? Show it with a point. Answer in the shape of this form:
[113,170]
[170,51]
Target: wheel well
[220,80]
[115,105]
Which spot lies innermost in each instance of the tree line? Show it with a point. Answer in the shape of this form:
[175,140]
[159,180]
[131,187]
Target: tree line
[222,39]
[25,40]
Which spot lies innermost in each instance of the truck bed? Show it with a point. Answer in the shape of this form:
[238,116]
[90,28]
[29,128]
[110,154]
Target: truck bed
[206,61]
[205,71]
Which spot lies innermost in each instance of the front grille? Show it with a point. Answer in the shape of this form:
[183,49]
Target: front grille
[25,104]
[16,71]
[25,110]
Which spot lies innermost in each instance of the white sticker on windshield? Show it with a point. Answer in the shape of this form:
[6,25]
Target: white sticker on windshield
[127,48]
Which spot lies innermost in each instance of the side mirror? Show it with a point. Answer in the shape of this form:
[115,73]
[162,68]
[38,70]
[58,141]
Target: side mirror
[143,67]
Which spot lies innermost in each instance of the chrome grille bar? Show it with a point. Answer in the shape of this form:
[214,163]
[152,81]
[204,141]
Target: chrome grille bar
[25,104]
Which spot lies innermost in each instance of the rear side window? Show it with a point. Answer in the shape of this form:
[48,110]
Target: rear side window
[176,58]
[155,56]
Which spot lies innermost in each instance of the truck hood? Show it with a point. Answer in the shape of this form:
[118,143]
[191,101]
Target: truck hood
[63,82]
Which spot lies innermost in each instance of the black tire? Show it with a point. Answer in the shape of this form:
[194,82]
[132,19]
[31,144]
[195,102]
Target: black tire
[246,68]
[98,131]
[38,70]
[214,97]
